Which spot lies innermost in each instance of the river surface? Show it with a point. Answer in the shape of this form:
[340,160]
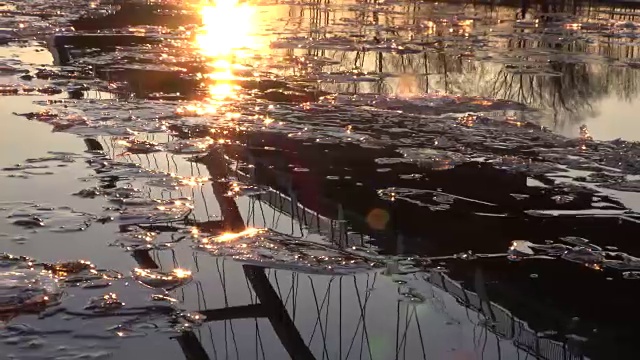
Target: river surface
[318,180]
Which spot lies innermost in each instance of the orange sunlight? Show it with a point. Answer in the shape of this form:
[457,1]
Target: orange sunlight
[227,26]
[227,237]
[226,31]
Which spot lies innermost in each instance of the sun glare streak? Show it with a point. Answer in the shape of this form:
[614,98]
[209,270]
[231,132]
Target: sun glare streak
[229,236]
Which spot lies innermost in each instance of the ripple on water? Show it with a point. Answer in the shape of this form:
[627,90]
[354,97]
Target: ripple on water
[77,318]
[29,290]
[582,252]
[162,280]
[432,159]
[54,219]
[155,211]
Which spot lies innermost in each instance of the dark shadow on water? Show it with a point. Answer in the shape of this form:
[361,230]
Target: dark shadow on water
[546,294]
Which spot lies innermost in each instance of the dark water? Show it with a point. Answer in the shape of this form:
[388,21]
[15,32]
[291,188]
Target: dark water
[340,180]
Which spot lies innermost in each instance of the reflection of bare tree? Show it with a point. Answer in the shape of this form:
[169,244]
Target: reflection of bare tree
[569,94]
[568,87]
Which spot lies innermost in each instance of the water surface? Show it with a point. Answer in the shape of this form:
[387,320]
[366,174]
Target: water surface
[321,179]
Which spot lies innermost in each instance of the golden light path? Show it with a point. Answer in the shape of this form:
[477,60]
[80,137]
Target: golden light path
[226,37]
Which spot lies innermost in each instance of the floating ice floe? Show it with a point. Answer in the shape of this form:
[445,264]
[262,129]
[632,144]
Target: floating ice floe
[266,248]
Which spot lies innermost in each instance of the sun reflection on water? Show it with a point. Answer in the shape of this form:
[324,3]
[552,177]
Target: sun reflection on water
[229,236]
[226,38]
